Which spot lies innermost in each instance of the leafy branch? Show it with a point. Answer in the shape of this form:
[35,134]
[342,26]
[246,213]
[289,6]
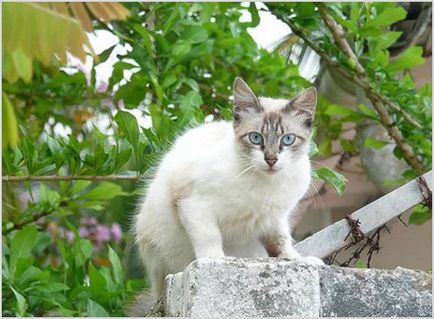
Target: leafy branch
[20,225]
[358,76]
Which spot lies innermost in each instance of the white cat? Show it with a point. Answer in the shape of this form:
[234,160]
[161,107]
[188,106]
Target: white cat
[228,188]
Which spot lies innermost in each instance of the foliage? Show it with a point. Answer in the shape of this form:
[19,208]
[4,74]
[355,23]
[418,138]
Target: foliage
[367,28]
[66,281]
[177,72]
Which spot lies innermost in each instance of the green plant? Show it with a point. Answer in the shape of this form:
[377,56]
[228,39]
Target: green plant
[36,280]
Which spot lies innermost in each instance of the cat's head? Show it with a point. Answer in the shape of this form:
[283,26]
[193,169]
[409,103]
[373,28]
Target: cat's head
[272,133]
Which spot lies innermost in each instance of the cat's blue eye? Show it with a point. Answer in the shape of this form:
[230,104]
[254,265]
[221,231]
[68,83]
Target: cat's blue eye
[288,139]
[255,138]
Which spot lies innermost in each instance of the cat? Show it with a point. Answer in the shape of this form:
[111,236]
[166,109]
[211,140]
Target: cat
[229,188]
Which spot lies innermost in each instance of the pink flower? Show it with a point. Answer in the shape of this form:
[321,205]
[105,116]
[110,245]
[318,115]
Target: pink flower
[116,232]
[83,231]
[102,87]
[102,233]
[70,236]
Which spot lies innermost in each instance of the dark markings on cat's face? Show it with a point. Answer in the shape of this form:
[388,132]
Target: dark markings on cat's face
[273,120]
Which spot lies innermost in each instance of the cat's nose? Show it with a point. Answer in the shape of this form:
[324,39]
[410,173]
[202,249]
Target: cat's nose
[271,161]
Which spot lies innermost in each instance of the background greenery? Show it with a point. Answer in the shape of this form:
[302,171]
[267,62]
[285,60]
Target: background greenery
[63,250]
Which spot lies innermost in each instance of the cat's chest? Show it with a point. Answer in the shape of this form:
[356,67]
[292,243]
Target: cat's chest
[256,200]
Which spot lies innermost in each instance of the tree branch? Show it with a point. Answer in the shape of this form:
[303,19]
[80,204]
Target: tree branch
[22,224]
[360,79]
[340,40]
[70,178]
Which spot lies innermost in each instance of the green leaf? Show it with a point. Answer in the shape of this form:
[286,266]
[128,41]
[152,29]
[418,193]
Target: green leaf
[348,145]
[52,287]
[181,49]
[21,303]
[116,264]
[83,249]
[386,39]
[368,111]
[79,186]
[408,59]
[313,148]
[191,100]
[339,110]
[254,15]
[420,215]
[104,55]
[194,34]
[131,93]
[325,147]
[374,144]
[130,128]
[9,124]
[28,275]
[103,191]
[386,17]
[334,179]
[23,65]
[96,310]
[97,284]
[22,245]
[146,37]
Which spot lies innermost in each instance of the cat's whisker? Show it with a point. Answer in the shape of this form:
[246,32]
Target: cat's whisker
[317,196]
[320,164]
[244,171]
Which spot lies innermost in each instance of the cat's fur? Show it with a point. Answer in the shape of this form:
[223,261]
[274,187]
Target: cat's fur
[214,193]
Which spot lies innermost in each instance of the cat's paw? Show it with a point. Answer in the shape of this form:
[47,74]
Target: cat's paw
[311,260]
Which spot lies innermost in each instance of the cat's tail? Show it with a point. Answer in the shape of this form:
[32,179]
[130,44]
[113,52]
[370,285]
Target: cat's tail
[144,305]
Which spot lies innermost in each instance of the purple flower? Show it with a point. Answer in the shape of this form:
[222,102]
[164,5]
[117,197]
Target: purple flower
[88,221]
[92,221]
[116,232]
[83,231]
[102,87]
[102,233]
[63,233]
[70,236]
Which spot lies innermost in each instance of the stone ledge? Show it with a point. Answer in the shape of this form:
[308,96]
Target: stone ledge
[270,287]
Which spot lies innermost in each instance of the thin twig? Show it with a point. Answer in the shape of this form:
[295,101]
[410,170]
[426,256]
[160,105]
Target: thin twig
[70,178]
[402,222]
[22,224]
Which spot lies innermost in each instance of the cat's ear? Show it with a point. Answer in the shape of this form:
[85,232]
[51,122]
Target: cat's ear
[304,102]
[244,98]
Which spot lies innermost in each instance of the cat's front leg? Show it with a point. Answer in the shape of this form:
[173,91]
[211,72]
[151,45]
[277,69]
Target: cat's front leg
[199,221]
[277,241]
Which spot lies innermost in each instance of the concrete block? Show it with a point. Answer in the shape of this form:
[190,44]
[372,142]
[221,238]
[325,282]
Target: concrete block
[266,287]
[270,287]
[349,292]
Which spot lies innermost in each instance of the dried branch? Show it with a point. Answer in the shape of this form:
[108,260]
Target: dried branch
[377,99]
[69,178]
